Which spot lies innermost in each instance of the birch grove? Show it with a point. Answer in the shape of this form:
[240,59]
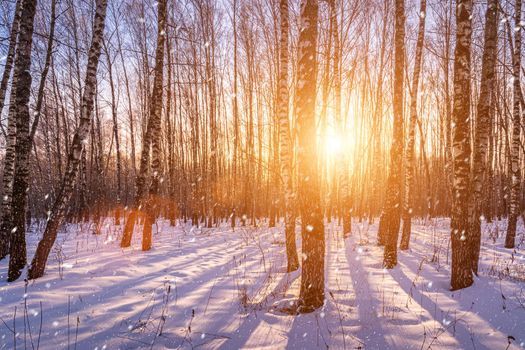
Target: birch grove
[356,121]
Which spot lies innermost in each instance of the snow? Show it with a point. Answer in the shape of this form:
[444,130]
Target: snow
[218,289]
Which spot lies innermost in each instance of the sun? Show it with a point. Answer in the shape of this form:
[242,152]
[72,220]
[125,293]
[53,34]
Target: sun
[333,143]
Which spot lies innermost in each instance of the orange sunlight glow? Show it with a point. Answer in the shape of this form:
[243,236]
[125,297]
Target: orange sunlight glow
[333,143]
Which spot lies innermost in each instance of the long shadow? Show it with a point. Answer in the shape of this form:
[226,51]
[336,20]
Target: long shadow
[485,290]
[239,338]
[327,327]
[172,336]
[136,311]
[298,336]
[371,331]
[452,321]
[242,334]
[108,327]
[318,330]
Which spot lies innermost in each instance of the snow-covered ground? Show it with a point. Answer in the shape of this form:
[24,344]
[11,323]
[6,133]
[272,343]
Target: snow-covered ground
[218,289]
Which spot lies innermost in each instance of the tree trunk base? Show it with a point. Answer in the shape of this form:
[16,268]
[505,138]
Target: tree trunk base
[128,229]
[511,232]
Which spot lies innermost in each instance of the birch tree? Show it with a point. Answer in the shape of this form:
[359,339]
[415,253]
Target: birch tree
[57,215]
[10,57]
[115,131]
[344,189]
[145,196]
[9,158]
[515,174]
[394,185]
[155,120]
[410,150]
[483,126]
[285,142]
[22,75]
[311,295]
[24,142]
[461,275]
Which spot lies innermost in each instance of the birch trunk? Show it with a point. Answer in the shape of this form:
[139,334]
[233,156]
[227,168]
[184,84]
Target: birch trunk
[482,132]
[515,173]
[68,182]
[22,75]
[342,171]
[23,150]
[115,133]
[155,116]
[410,156]
[236,135]
[461,272]
[311,295]
[394,185]
[147,199]
[9,158]
[285,142]
[10,53]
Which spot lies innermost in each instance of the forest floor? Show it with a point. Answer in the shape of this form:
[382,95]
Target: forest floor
[219,289]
